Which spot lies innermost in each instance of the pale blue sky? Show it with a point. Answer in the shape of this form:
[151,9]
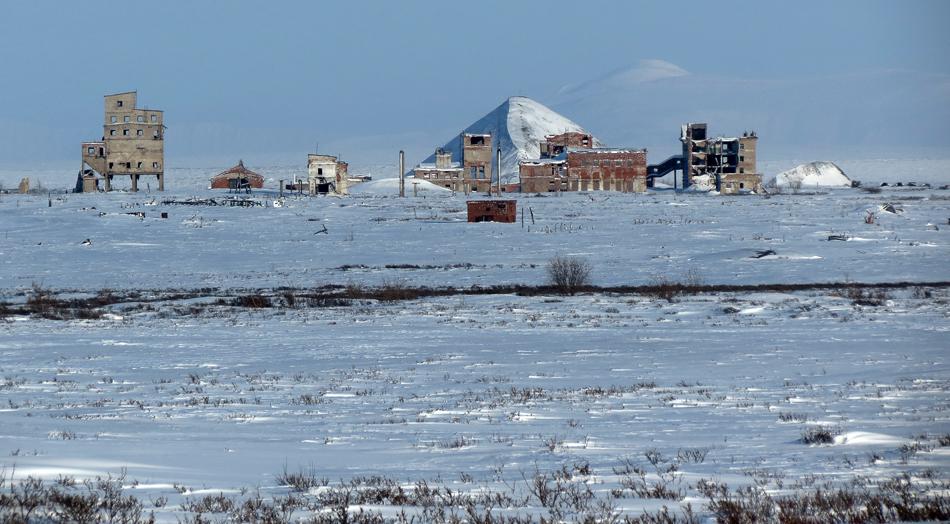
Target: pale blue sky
[240,78]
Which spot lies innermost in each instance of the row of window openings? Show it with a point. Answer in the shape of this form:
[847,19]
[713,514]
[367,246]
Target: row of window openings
[606,163]
[140,119]
[138,132]
[128,165]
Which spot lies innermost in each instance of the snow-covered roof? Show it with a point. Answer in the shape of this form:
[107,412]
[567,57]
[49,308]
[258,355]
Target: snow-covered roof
[544,161]
[238,170]
[453,166]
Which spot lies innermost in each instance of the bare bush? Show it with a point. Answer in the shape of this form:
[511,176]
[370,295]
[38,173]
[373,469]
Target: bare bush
[819,435]
[569,274]
[255,300]
[302,480]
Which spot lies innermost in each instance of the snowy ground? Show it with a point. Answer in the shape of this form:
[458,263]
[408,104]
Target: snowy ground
[490,386]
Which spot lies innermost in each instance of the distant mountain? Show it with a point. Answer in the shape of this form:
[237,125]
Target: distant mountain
[645,104]
[517,126]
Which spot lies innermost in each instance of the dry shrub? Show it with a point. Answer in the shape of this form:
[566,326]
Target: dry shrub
[568,274]
[255,300]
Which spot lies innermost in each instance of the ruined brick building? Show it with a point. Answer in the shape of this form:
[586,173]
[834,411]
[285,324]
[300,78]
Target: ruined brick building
[132,145]
[569,163]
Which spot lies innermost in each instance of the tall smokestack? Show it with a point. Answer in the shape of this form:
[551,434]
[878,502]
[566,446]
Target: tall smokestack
[402,173]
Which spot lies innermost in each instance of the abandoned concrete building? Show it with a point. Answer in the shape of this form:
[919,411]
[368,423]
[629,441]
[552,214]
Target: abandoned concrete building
[327,174]
[444,172]
[132,145]
[729,162]
[238,178]
[586,169]
[473,173]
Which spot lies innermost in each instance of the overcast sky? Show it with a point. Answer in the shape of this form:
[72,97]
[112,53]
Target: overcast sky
[240,78]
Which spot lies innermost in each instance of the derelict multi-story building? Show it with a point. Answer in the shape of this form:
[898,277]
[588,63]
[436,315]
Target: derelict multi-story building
[327,174]
[728,161]
[477,162]
[132,145]
[473,173]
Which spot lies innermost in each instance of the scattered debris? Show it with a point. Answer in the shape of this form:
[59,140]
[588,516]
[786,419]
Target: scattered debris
[86,242]
[838,237]
[891,208]
[763,253]
[228,201]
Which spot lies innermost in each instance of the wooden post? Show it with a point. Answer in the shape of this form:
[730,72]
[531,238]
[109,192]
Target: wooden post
[135,183]
[281,190]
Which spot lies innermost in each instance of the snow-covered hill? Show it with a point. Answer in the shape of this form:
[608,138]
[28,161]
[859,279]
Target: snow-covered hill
[517,126]
[812,174]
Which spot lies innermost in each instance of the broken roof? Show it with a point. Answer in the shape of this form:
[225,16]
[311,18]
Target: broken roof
[239,169]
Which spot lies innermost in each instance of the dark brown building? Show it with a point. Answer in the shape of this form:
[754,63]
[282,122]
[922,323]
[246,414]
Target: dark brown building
[492,210]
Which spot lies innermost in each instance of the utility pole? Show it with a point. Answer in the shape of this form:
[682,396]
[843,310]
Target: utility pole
[498,164]
[402,171]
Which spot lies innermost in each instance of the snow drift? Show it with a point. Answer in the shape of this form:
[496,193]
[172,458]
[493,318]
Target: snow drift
[812,174]
[517,126]
[390,187]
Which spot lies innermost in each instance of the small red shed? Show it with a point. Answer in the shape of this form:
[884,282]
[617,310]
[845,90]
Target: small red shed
[492,210]
[238,177]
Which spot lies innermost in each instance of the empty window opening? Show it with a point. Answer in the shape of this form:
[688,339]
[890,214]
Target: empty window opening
[154,118]
[111,164]
[114,119]
[741,185]
[320,171]
[138,132]
[139,165]
[125,132]
[478,141]
[112,132]
[155,165]
[125,119]
[128,165]
[118,103]
[91,150]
